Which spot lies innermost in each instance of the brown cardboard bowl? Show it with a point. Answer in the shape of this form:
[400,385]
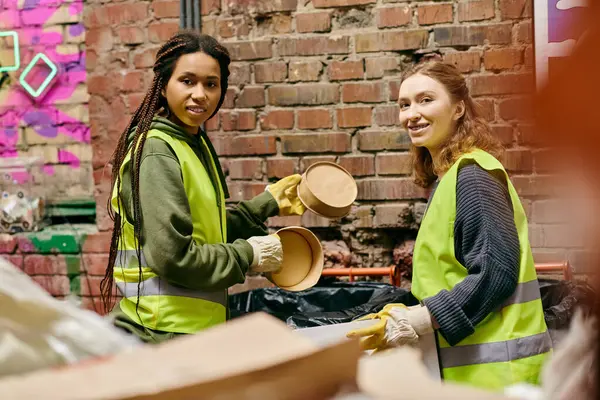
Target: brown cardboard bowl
[327,190]
[302,260]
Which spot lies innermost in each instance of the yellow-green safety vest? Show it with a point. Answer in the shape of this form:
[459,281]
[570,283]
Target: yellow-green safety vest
[164,306]
[511,343]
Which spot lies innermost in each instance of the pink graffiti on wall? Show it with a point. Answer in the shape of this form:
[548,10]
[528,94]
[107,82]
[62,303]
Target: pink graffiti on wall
[42,26]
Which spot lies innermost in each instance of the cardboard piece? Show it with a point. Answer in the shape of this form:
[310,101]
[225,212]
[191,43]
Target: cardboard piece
[328,190]
[254,357]
[329,334]
[302,260]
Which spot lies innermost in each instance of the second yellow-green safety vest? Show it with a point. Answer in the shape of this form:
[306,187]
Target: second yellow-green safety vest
[510,345]
[164,306]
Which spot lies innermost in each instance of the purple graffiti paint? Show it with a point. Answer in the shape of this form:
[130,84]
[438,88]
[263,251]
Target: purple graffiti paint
[31,3]
[76,30]
[66,157]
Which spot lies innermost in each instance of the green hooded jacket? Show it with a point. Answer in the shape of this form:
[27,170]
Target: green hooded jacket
[167,223]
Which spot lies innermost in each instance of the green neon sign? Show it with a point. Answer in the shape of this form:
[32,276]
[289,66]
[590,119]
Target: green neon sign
[53,70]
[16,55]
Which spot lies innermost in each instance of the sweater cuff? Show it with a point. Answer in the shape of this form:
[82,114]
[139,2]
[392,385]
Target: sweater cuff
[454,324]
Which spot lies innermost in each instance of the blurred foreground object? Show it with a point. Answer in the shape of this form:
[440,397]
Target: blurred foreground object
[38,331]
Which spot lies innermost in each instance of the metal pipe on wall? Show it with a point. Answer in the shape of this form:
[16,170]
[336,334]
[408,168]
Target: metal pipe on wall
[182,13]
[188,14]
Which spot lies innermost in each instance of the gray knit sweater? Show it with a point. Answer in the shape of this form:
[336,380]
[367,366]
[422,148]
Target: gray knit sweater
[486,243]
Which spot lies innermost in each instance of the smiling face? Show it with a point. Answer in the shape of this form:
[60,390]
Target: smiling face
[193,91]
[427,111]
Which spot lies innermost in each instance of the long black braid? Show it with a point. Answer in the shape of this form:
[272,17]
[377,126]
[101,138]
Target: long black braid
[186,42]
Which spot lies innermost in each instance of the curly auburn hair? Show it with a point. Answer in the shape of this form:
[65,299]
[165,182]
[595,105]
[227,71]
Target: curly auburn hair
[471,131]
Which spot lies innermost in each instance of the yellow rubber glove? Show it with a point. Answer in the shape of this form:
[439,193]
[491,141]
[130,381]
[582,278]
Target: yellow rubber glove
[397,325]
[285,192]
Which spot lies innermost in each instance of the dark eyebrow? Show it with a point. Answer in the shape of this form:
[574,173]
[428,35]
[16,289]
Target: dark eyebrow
[189,73]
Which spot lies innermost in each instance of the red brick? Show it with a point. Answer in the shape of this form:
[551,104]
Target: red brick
[145,58]
[239,73]
[305,70]
[249,50]
[501,84]
[8,244]
[377,67]
[389,17]
[528,136]
[213,123]
[391,40]
[96,19]
[315,143]
[251,96]
[363,92]
[277,119]
[304,94]
[313,22]
[516,160]
[126,13]
[515,108]
[532,185]
[513,9]
[308,161]
[230,27]
[100,40]
[314,118]
[378,140]
[134,100]
[133,81]
[260,6]
[37,264]
[504,133]
[465,61]
[131,35]
[160,32]
[476,10]
[270,72]
[529,58]
[243,190]
[97,243]
[389,189]
[209,26]
[210,6]
[281,222]
[500,59]
[353,117]
[394,90]
[14,259]
[387,115]
[394,164]
[313,46]
[104,85]
[312,220]
[230,98]
[340,3]
[165,8]
[238,120]
[250,168]
[90,285]
[94,264]
[475,35]
[94,304]
[281,167]
[486,109]
[358,165]
[524,32]
[245,145]
[56,285]
[390,215]
[544,161]
[345,70]
[434,14]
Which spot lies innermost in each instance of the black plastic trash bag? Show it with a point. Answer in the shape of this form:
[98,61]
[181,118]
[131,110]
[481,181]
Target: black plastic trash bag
[318,301]
[560,299]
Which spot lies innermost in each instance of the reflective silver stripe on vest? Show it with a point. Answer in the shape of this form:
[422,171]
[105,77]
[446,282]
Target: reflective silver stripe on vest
[525,291]
[156,286]
[460,356]
[125,256]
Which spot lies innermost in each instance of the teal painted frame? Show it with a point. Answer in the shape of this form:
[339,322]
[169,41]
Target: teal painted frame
[17,55]
[44,85]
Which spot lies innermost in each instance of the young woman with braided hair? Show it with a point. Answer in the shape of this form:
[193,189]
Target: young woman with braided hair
[175,248]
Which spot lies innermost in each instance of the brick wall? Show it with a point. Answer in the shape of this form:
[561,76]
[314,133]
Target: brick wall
[318,80]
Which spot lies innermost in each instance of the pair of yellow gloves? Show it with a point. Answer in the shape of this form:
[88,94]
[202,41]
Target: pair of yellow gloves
[285,192]
[396,325]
